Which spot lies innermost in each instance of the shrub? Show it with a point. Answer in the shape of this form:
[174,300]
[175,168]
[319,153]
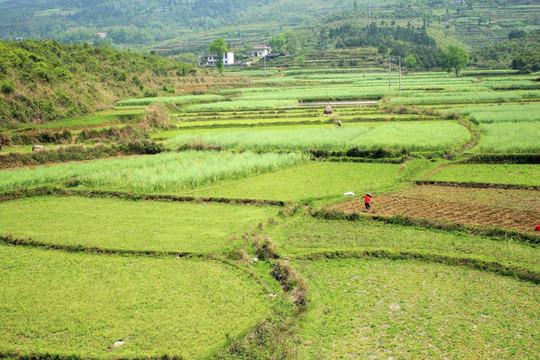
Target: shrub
[265,248]
[7,87]
[156,116]
[142,147]
[150,93]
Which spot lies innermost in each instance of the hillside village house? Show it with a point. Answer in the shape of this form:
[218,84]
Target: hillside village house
[259,51]
[102,34]
[211,59]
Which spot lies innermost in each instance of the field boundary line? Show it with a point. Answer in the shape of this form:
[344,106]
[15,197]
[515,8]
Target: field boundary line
[59,191]
[469,262]
[495,233]
[14,241]
[477,185]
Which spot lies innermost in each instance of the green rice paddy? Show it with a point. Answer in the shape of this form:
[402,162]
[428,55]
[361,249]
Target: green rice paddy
[130,225]
[115,276]
[382,308]
[410,136]
[80,305]
[518,174]
[313,181]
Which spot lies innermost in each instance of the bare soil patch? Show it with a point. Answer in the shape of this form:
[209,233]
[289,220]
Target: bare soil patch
[514,209]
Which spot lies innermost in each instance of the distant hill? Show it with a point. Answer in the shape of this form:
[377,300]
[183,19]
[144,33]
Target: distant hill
[175,26]
[43,81]
[147,21]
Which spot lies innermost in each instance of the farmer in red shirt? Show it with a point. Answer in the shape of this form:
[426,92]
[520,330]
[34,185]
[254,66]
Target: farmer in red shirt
[367,200]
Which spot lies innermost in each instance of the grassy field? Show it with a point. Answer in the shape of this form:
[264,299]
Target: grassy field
[507,137]
[304,235]
[502,113]
[75,301]
[381,309]
[316,180]
[169,172]
[489,173]
[410,136]
[131,225]
[79,305]
[178,100]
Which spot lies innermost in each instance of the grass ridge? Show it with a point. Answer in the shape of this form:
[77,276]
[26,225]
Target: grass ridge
[477,264]
[60,191]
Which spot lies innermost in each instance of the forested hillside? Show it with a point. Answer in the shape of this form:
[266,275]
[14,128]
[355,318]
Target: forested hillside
[41,81]
[143,21]
[174,26]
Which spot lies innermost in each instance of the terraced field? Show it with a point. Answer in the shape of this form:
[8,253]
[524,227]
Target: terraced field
[229,234]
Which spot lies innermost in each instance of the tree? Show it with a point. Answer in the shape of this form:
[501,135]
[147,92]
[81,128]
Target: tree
[527,61]
[300,60]
[355,5]
[455,58]
[277,42]
[218,47]
[410,61]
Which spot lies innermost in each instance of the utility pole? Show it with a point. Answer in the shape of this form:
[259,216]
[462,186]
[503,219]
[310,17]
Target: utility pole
[399,59]
[389,75]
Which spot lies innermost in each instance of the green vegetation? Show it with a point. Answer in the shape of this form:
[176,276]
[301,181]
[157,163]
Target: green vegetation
[170,172]
[57,81]
[130,225]
[501,113]
[304,235]
[409,136]
[380,307]
[178,100]
[308,182]
[510,138]
[80,305]
[219,47]
[455,58]
[492,173]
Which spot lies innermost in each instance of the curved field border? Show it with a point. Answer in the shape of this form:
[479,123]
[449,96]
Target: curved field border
[57,191]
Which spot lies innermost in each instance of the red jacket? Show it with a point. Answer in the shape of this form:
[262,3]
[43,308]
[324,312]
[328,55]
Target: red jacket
[368,199]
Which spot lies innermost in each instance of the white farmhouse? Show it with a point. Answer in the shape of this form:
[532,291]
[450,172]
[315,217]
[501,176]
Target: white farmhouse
[211,59]
[259,51]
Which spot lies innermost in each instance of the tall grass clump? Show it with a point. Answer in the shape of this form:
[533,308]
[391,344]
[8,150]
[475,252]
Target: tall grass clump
[159,173]
[414,136]
[303,139]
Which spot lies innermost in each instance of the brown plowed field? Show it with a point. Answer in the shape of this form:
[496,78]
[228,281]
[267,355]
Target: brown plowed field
[515,209]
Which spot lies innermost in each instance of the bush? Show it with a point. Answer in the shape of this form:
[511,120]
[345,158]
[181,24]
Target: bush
[156,116]
[265,248]
[142,147]
[7,87]
[150,93]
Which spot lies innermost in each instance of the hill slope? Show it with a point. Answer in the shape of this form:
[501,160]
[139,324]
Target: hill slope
[42,81]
